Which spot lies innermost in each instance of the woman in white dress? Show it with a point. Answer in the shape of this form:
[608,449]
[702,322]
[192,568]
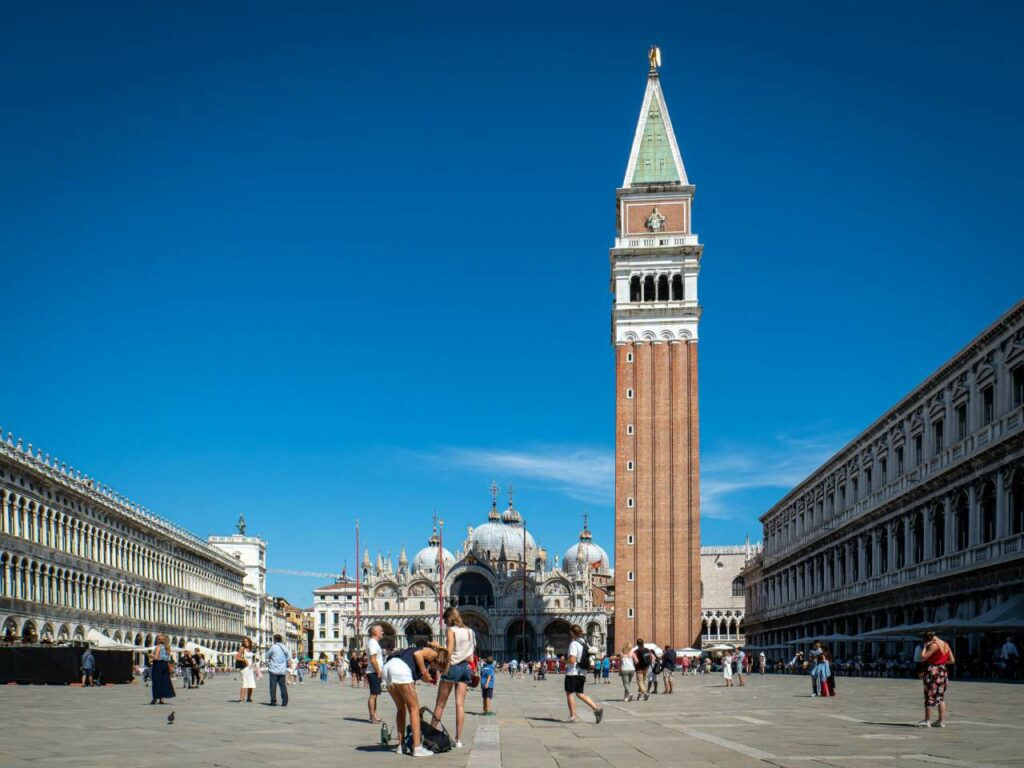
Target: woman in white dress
[245,654]
[727,669]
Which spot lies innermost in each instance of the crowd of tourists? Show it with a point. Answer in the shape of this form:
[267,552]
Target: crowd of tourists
[1003,662]
[455,667]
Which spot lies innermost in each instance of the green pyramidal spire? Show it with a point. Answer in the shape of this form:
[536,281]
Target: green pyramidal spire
[655,157]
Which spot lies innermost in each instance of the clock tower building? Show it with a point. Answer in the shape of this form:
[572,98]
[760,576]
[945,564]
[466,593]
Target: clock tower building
[654,268]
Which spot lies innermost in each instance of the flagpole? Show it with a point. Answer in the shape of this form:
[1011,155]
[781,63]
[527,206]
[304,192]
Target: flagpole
[440,578]
[359,579]
[524,587]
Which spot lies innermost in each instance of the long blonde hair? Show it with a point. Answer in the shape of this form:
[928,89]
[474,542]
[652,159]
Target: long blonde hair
[163,640]
[442,659]
[452,617]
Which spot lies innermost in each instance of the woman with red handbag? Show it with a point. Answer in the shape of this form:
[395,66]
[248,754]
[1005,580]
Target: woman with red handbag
[461,649]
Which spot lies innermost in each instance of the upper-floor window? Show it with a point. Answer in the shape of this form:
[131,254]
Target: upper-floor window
[938,436]
[867,480]
[323,618]
[883,470]
[988,404]
[961,421]
[634,288]
[918,450]
[1017,385]
[663,294]
[738,586]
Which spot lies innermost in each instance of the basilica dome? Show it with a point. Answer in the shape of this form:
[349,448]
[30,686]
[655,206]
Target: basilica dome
[426,558]
[594,554]
[503,531]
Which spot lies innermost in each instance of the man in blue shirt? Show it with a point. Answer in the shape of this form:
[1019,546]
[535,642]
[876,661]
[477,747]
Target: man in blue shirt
[88,667]
[487,684]
[277,666]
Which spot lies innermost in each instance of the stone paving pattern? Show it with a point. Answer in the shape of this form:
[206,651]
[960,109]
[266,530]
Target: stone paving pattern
[770,722]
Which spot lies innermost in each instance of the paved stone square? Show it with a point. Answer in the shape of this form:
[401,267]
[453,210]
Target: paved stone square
[771,721]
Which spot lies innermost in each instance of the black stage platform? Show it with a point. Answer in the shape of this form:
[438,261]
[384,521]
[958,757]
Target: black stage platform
[60,664]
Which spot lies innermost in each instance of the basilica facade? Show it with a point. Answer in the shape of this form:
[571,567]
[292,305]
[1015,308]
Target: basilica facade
[520,602]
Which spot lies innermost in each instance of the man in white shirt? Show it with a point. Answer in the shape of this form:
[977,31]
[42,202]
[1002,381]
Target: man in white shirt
[373,672]
[576,665]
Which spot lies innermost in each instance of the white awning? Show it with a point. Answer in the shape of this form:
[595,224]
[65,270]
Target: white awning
[98,639]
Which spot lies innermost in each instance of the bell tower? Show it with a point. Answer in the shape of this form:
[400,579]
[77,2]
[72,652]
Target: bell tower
[655,313]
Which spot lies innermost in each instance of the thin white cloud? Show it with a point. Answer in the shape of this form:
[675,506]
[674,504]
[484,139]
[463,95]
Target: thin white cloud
[588,474]
[788,460]
[584,474]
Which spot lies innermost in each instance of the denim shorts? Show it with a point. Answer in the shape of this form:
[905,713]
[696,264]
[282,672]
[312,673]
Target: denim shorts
[459,673]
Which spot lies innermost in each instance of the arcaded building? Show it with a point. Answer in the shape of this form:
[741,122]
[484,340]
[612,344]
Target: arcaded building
[80,562]
[654,268]
[918,521]
[723,593]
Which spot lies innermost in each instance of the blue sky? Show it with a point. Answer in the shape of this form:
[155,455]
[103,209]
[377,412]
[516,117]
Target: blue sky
[314,262]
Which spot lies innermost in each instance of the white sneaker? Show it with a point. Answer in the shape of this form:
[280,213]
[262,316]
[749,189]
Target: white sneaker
[422,751]
[924,724]
[458,745]
[939,724]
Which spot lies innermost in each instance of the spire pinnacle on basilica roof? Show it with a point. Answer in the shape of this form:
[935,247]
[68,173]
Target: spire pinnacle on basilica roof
[585,534]
[655,156]
[493,515]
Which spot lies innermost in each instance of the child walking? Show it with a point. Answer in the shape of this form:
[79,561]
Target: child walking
[487,685]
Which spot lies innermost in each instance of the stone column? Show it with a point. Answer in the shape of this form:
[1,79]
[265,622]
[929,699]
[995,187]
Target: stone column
[891,545]
[973,516]
[928,521]
[908,540]
[1002,504]
[949,524]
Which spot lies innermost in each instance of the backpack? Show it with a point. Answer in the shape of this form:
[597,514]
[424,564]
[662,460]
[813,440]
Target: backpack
[643,658]
[584,662]
[434,738]
[658,667]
